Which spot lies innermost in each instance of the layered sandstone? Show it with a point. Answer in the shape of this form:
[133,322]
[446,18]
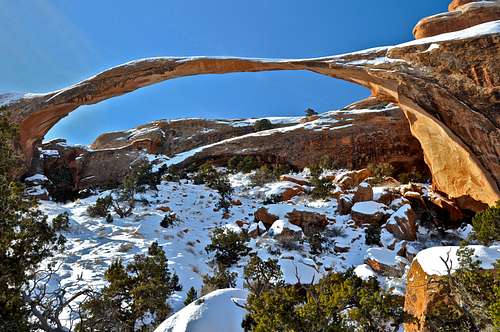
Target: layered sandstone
[447,86]
[352,138]
[462,17]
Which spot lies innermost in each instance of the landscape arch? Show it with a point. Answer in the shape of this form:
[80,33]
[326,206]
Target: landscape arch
[403,75]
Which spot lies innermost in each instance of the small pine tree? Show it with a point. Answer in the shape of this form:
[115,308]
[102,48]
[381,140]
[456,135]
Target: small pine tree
[261,276]
[101,207]
[124,202]
[372,235]
[337,302]
[263,124]
[227,245]
[310,112]
[248,164]
[470,297]
[262,176]
[191,296]
[137,293]
[486,225]
[109,218]
[222,278]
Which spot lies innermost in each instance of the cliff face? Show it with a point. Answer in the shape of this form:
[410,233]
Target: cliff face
[447,86]
[363,133]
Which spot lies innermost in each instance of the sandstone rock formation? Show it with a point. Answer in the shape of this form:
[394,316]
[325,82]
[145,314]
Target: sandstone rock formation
[447,86]
[310,222]
[461,17]
[353,138]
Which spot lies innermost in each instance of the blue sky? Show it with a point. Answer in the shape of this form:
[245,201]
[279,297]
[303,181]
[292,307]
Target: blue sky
[49,44]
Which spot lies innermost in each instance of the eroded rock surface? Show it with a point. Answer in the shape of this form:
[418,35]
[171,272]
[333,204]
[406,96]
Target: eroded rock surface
[461,17]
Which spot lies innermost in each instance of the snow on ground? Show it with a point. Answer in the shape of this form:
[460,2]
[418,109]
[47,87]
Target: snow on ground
[93,244]
[214,312]
[431,259]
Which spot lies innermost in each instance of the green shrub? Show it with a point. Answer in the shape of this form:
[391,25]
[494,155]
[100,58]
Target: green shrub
[327,162]
[101,207]
[372,235]
[263,124]
[413,176]
[234,163]
[262,176]
[470,299]
[124,203]
[248,164]
[146,177]
[382,170]
[191,296]
[486,225]
[322,188]
[337,303]
[61,222]
[261,276]
[310,112]
[135,294]
[222,278]
[227,245]
[207,174]
[168,220]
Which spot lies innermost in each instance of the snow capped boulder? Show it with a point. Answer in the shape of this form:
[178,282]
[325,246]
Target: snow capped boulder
[307,221]
[214,312]
[256,229]
[363,192]
[402,223]
[368,212]
[263,215]
[282,191]
[364,271]
[344,204]
[386,262]
[349,179]
[295,179]
[465,14]
[285,231]
[426,268]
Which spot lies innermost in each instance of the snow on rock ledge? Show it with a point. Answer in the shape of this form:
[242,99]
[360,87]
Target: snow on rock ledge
[213,312]
[430,259]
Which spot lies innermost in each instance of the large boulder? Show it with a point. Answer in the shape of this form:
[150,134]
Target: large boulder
[402,223]
[363,192]
[460,18]
[310,222]
[422,289]
[368,212]
[385,262]
[263,215]
[285,232]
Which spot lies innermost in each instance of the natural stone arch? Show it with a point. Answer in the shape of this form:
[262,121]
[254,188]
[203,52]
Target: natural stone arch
[464,162]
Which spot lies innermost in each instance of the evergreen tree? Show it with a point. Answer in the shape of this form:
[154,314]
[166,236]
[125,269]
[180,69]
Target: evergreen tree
[191,296]
[26,239]
[227,245]
[136,295]
[338,302]
[310,112]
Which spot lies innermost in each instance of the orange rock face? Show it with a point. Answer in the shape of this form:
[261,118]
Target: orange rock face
[460,18]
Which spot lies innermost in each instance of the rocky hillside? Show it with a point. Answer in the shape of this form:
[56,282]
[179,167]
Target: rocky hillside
[368,132]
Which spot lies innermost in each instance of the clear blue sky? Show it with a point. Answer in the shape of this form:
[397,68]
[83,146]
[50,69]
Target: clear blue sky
[49,44]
